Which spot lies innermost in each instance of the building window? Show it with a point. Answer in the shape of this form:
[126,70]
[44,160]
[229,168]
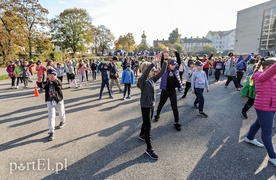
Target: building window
[268,29]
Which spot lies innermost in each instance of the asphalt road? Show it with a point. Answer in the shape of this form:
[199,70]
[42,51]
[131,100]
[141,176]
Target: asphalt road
[100,139]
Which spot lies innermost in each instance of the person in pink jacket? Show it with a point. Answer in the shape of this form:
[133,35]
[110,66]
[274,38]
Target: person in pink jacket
[265,105]
[40,71]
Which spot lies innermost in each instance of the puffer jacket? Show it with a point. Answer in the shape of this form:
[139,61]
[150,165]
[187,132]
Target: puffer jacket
[265,84]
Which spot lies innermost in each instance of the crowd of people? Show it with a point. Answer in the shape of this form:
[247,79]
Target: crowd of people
[169,66]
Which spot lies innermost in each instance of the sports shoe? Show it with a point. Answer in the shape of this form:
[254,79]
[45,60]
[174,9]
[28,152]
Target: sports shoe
[156,118]
[124,98]
[100,98]
[202,114]
[121,91]
[244,115]
[61,125]
[142,138]
[111,97]
[16,87]
[51,137]
[183,96]
[238,89]
[253,142]
[129,96]
[272,161]
[177,126]
[152,154]
[195,106]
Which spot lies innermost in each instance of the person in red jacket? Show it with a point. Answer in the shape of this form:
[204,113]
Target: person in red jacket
[265,105]
[206,67]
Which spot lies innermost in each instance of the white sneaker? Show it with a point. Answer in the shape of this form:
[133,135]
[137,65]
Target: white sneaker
[254,142]
[16,87]
[272,161]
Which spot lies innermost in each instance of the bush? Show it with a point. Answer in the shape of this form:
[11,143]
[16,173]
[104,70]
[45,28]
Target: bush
[56,56]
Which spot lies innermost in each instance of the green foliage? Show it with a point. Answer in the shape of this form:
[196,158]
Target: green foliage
[179,47]
[174,36]
[102,38]
[208,49]
[142,47]
[72,28]
[161,47]
[126,42]
[56,56]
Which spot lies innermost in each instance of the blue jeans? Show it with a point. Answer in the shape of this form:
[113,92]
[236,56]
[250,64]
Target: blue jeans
[105,83]
[265,122]
[199,98]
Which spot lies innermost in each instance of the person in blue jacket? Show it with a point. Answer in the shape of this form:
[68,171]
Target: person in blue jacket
[241,67]
[127,80]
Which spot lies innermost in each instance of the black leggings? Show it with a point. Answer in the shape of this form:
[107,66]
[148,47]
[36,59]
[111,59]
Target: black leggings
[127,89]
[232,78]
[13,81]
[187,88]
[248,104]
[147,114]
[163,99]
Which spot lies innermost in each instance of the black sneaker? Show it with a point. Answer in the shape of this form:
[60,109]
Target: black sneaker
[177,126]
[202,114]
[61,125]
[156,118]
[244,115]
[51,137]
[183,96]
[195,106]
[152,154]
[142,138]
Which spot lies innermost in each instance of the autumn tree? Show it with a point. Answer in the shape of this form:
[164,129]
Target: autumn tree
[104,38]
[179,47]
[10,33]
[142,47]
[72,28]
[174,36]
[207,50]
[34,20]
[127,42]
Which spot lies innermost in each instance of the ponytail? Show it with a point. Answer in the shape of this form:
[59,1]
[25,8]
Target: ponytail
[258,66]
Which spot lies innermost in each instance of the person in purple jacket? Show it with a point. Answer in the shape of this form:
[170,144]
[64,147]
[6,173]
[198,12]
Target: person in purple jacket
[10,69]
[169,82]
[265,105]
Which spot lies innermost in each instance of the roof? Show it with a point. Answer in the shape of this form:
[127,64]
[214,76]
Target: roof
[145,43]
[195,40]
[221,33]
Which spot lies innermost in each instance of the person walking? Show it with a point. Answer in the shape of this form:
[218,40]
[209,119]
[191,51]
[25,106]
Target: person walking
[128,80]
[265,84]
[146,83]
[10,71]
[114,74]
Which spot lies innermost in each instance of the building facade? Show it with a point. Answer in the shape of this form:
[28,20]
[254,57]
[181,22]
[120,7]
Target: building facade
[222,40]
[193,45]
[256,29]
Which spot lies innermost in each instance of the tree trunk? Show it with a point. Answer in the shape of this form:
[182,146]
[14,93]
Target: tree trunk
[30,48]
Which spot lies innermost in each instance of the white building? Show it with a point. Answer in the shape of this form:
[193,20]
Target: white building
[193,45]
[255,30]
[222,40]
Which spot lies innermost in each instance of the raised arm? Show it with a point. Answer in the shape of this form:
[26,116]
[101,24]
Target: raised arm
[269,73]
[156,77]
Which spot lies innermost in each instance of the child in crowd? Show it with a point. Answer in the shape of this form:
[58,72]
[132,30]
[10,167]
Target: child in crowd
[146,83]
[250,92]
[71,74]
[54,99]
[10,71]
[30,71]
[169,81]
[25,74]
[18,71]
[218,66]
[199,82]
[60,71]
[265,84]
[82,72]
[190,69]
[127,80]
[94,70]
[105,68]
[231,76]
[40,71]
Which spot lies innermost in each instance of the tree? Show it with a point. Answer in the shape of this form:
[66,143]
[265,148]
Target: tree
[127,42]
[104,38]
[72,28]
[43,43]
[207,50]
[35,19]
[10,33]
[174,36]
[179,47]
[142,47]
[161,47]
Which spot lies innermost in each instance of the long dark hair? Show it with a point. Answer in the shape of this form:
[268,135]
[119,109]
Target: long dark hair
[265,62]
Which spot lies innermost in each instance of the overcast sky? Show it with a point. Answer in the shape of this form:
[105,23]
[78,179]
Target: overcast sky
[157,17]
